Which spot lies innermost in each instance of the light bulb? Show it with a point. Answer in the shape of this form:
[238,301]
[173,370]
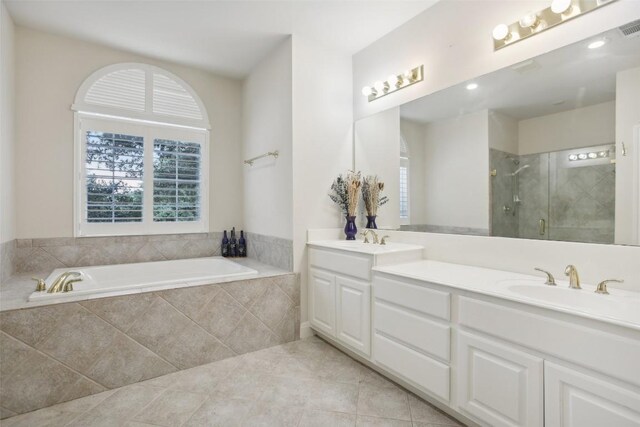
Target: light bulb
[573,157]
[596,44]
[367,91]
[408,76]
[501,32]
[472,86]
[381,86]
[593,155]
[393,80]
[560,6]
[529,20]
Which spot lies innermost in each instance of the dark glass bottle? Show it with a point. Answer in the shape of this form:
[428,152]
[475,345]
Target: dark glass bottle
[242,245]
[225,245]
[233,244]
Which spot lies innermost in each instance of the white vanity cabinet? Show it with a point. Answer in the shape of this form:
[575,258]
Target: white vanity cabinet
[340,288]
[498,383]
[576,399]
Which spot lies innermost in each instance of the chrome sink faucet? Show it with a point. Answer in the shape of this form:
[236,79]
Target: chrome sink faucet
[574,279]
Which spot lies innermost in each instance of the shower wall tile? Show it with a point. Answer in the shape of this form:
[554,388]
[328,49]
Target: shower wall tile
[55,353]
[504,215]
[38,255]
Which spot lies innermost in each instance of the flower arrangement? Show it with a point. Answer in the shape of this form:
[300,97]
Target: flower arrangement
[344,192]
[371,189]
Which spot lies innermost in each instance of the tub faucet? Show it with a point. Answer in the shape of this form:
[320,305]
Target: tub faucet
[64,282]
[574,279]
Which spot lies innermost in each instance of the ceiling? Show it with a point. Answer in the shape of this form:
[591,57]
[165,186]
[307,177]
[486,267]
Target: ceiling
[225,37]
[561,80]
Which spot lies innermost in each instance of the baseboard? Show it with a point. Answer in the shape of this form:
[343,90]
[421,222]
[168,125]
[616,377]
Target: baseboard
[305,330]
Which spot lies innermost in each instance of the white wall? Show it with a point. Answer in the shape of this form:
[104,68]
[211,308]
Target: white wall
[456,165]
[581,127]
[377,152]
[627,116]
[503,132]
[267,126]
[453,41]
[49,70]
[322,142]
[413,133]
[7,136]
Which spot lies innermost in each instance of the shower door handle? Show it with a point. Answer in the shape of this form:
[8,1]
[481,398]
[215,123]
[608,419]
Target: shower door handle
[542,227]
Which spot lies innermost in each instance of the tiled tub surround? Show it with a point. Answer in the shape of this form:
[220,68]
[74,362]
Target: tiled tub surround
[55,353]
[28,255]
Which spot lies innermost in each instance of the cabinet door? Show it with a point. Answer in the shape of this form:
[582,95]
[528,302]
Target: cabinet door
[574,399]
[322,301]
[498,384]
[354,314]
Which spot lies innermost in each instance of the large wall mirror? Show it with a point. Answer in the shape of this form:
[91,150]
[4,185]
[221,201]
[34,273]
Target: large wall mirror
[546,149]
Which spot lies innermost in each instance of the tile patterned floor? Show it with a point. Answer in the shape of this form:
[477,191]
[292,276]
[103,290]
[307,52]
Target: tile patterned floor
[303,383]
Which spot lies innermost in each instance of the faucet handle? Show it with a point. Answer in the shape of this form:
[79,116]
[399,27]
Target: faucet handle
[41,286]
[602,286]
[364,234]
[551,281]
[383,241]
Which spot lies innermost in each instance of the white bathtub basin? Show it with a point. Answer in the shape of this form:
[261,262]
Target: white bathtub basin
[130,278]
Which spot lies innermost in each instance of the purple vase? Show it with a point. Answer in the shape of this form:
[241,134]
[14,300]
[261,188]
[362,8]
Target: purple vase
[350,229]
[371,221]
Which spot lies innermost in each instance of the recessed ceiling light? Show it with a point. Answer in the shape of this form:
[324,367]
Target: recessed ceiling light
[472,86]
[596,44]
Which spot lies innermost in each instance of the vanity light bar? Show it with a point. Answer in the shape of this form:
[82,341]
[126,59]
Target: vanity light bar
[588,155]
[394,83]
[533,23]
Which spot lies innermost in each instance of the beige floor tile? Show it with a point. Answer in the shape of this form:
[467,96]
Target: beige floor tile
[331,396]
[47,417]
[126,402]
[243,385]
[364,421]
[267,415]
[219,412]
[90,419]
[345,370]
[171,408]
[84,404]
[298,366]
[287,391]
[204,379]
[384,402]
[421,411]
[315,418]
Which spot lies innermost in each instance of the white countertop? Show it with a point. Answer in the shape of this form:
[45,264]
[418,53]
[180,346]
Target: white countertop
[619,307]
[364,248]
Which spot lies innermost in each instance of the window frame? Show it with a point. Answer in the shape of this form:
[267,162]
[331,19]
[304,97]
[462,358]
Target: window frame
[405,162]
[84,122]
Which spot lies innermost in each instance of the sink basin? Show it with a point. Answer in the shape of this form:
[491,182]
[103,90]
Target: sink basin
[614,305]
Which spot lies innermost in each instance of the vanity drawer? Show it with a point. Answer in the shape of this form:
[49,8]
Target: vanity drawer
[342,262]
[422,334]
[416,297]
[609,353]
[421,370]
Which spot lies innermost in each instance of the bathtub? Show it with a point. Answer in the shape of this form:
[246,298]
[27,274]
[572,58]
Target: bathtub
[122,279]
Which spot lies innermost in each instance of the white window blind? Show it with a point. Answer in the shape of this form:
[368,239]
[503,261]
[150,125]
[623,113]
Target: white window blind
[120,89]
[114,177]
[170,98]
[176,180]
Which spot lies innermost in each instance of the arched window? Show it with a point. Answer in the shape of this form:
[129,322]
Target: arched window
[141,151]
[404,181]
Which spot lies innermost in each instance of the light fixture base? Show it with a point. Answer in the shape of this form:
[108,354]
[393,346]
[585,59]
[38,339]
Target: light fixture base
[417,75]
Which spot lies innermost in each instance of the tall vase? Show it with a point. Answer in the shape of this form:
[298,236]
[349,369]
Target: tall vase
[350,229]
[371,221]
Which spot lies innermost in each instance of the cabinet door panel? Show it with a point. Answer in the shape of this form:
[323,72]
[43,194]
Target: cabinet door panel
[354,314]
[498,384]
[322,301]
[574,399]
